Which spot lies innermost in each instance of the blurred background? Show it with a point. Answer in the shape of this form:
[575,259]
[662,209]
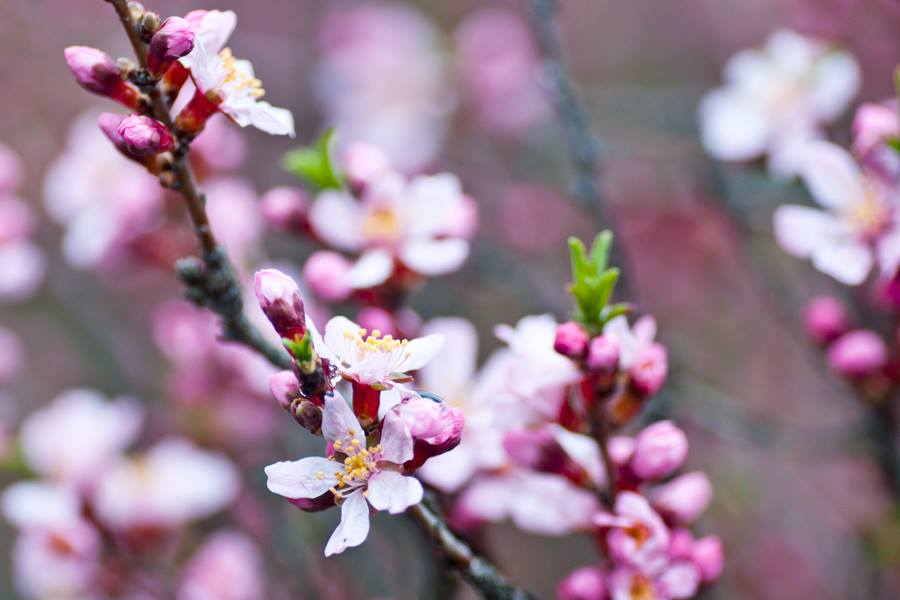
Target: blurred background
[798,502]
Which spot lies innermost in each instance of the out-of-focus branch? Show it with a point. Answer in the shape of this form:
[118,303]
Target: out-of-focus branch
[480,573]
[210,280]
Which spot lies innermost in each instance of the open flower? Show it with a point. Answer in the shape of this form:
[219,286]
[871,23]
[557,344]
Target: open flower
[775,99]
[357,475]
[370,358]
[636,534]
[859,226]
[423,223]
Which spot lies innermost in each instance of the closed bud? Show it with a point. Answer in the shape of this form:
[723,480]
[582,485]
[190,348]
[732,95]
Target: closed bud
[96,72]
[279,297]
[826,319]
[326,273]
[286,209]
[585,583]
[361,163]
[660,449]
[603,355]
[144,136]
[684,498]
[285,388]
[858,353]
[308,414]
[571,340]
[435,426]
[648,371]
[709,557]
[172,40]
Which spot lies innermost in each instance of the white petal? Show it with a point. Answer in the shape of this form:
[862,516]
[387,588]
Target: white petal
[583,450]
[396,441]
[307,478]
[34,504]
[420,351]
[393,492]
[733,127]
[354,526]
[271,119]
[836,82]
[799,229]
[435,257]
[454,368]
[22,267]
[336,218]
[847,260]
[339,423]
[832,175]
[373,268]
[340,332]
[889,252]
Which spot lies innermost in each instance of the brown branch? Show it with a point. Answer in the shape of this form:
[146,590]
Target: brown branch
[211,283]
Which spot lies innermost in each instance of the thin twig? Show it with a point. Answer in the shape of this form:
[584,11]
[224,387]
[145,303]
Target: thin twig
[211,282]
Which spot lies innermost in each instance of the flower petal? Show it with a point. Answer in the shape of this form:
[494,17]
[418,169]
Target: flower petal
[373,268]
[800,229]
[848,261]
[393,492]
[420,351]
[435,257]
[336,218]
[733,126]
[339,424]
[396,441]
[354,526]
[270,119]
[340,332]
[833,177]
[307,478]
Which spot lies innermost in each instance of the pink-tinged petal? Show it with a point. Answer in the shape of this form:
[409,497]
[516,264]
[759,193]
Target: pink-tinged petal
[340,332]
[454,370]
[678,581]
[448,472]
[435,257]
[373,268]
[732,126]
[644,329]
[420,351]
[270,119]
[336,218]
[847,260]
[28,504]
[583,450]
[833,177]
[800,229]
[307,478]
[339,424]
[393,492]
[835,83]
[22,267]
[787,152]
[354,526]
[396,441]
[888,252]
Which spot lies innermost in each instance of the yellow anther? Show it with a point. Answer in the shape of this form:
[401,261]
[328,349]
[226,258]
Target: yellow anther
[337,444]
[355,442]
[320,475]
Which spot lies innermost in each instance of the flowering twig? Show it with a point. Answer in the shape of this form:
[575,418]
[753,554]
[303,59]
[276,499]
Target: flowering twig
[211,280]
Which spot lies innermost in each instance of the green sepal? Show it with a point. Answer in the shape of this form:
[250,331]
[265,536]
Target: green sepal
[314,164]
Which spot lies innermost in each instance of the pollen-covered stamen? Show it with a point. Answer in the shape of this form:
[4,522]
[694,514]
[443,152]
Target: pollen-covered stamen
[236,78]
[360,463]
[870,216]
[374,343]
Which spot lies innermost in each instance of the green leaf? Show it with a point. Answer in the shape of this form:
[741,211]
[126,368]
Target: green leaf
[313,164]
[301,348]
[611,312]
[894,143]
[578,258]
[600,251]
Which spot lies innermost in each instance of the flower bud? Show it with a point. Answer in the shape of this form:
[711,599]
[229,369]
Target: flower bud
[362,162]
[857,353]
[661,448]
[708,556]
[435,426]
[585,583]
[286,208]
[326,273]
[603,355]
[308,414]
[172,40]
[144,136]
[873,125]
[285,388]
[373,318]
[825,318]
[571,340]
[684,498]
[649,369]
[279,297]
[96,72]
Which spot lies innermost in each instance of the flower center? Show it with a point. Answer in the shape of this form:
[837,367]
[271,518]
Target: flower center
[359,464]
[374,343]
[237,79]
[641,588]
[381,224]
[869,216]
[639,532]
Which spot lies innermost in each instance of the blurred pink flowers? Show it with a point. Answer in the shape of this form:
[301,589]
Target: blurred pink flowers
[22,263]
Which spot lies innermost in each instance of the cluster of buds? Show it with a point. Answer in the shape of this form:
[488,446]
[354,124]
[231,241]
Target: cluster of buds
[376,440]
[182,62]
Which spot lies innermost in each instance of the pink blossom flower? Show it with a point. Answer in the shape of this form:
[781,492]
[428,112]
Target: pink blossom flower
[874,125]
[358,476]
[675,581]
[633,339]
[859,227]
[603,355]
[423,223]
[684,498]
[79,434]
[636,534]
[709,557]
[169,485]
[661,448]
[363,47]
[858,353]
[22,263]
[229,566]
[775,100]
[57,552]
[286,208]
[584,583]
[367,357]
[501,70]
[435,426]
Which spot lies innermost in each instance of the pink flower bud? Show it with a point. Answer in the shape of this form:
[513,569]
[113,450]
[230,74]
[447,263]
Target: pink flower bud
[621,449]
[10,170]
[603,355]
[144,136]
[661,448]
[826,319]
[571,340]
[649,369]
[372,318]
[585,583]
[172,40]
[326,273]
[857,353]
[279,297]
[109,125]
[435,426]
[873,125]
[96,72]
[362,163]
[681,544]
[285,388]
[684,498]
[708,556]
[286,208]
